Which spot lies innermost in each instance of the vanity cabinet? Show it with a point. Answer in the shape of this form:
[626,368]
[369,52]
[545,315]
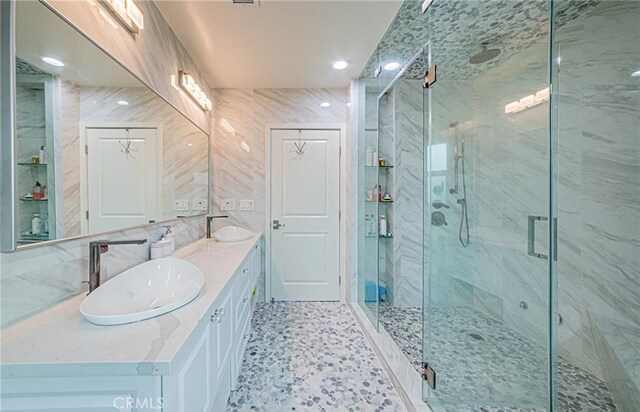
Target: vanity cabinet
[201,376]
[210,371]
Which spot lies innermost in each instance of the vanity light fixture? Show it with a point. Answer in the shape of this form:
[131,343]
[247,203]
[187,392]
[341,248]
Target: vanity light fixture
[527,101]
[340,65]
[127,12]
[325,104]
[192,88]
[391,66]
[52,61]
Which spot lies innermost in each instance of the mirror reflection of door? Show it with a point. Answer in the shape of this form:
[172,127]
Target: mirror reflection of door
[123,177]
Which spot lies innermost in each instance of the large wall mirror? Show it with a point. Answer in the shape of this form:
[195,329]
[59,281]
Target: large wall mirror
[96,150]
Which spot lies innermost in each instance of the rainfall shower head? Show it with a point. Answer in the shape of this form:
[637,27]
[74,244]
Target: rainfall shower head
[485,55]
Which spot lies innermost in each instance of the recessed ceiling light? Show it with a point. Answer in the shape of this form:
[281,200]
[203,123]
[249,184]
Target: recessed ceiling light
[636,73]
[391,66]
[340,65]
[325,104]
[52,61]
[123,102]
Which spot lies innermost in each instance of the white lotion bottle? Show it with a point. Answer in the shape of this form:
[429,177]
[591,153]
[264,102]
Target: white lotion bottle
[369,156]
[383,226]
[36,224]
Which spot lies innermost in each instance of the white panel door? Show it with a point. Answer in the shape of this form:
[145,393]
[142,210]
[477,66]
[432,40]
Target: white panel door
[123,177]
[305,200]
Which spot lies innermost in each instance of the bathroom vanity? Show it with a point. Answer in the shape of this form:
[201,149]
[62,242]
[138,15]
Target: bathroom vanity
[185,360]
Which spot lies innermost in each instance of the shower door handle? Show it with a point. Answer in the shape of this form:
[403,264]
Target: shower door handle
[531,236]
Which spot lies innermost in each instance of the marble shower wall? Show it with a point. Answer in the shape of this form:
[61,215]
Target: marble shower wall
[599,171]
[240,117]
[408,190]
[38,277]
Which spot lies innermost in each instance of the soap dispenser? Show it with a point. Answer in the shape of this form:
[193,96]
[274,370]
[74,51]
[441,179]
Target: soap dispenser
[171,238]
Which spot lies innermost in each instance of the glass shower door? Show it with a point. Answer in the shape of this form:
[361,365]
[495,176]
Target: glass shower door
[487,273]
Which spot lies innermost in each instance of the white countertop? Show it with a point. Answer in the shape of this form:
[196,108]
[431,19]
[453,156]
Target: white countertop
[60,342]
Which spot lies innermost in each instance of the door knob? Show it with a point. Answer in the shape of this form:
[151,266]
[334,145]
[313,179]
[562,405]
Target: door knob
[277,225]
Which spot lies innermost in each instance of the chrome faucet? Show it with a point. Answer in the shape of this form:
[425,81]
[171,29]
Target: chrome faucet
[97,248]
[209,220]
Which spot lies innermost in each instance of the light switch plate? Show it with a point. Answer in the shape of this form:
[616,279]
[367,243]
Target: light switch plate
[180,204]
[228,204]
[199,204]
[246,205]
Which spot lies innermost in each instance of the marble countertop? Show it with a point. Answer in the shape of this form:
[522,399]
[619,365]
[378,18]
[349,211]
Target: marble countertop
[60,342]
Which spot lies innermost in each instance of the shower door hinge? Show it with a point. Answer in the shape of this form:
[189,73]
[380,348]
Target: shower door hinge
[377,72]
[430,76]
[87,214]
[425,5]
[339,280]
[429,375]
[86,149]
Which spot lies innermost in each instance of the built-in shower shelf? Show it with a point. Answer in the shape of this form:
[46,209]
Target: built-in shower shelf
[379,201]
[29,199]
[380,167]
[32,164]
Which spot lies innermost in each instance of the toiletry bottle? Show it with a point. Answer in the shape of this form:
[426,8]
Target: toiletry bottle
[372,225]
[375,193]
[374,158]
[369,156]
[156,250]
[36,224]
[383,226]
[38,193]
[171,238]
[41,155]
[46,226]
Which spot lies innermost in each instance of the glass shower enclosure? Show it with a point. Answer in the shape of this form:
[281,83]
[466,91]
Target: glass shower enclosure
[530,191]
[488,298]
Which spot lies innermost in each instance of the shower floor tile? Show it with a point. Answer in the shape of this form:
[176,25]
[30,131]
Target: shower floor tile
[310,356]
[483,365]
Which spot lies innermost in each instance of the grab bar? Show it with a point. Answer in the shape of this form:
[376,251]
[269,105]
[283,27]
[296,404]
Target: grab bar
[531,237]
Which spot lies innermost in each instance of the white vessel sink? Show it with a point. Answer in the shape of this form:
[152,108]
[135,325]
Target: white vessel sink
[232,234]
[144,291]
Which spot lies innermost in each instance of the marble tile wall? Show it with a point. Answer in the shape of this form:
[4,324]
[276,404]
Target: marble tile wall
[37,277]
[408,193]
[70,136]
[599,170]
[240,117]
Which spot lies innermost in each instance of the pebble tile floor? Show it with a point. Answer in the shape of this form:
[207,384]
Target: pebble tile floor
[485,366]
[310,356]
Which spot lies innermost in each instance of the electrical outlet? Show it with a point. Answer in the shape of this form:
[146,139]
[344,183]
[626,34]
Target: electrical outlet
[180,204]
[199,204]
[228,204]
[245,205]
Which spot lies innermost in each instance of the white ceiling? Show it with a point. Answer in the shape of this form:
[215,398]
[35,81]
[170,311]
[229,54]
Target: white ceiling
[281,43]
